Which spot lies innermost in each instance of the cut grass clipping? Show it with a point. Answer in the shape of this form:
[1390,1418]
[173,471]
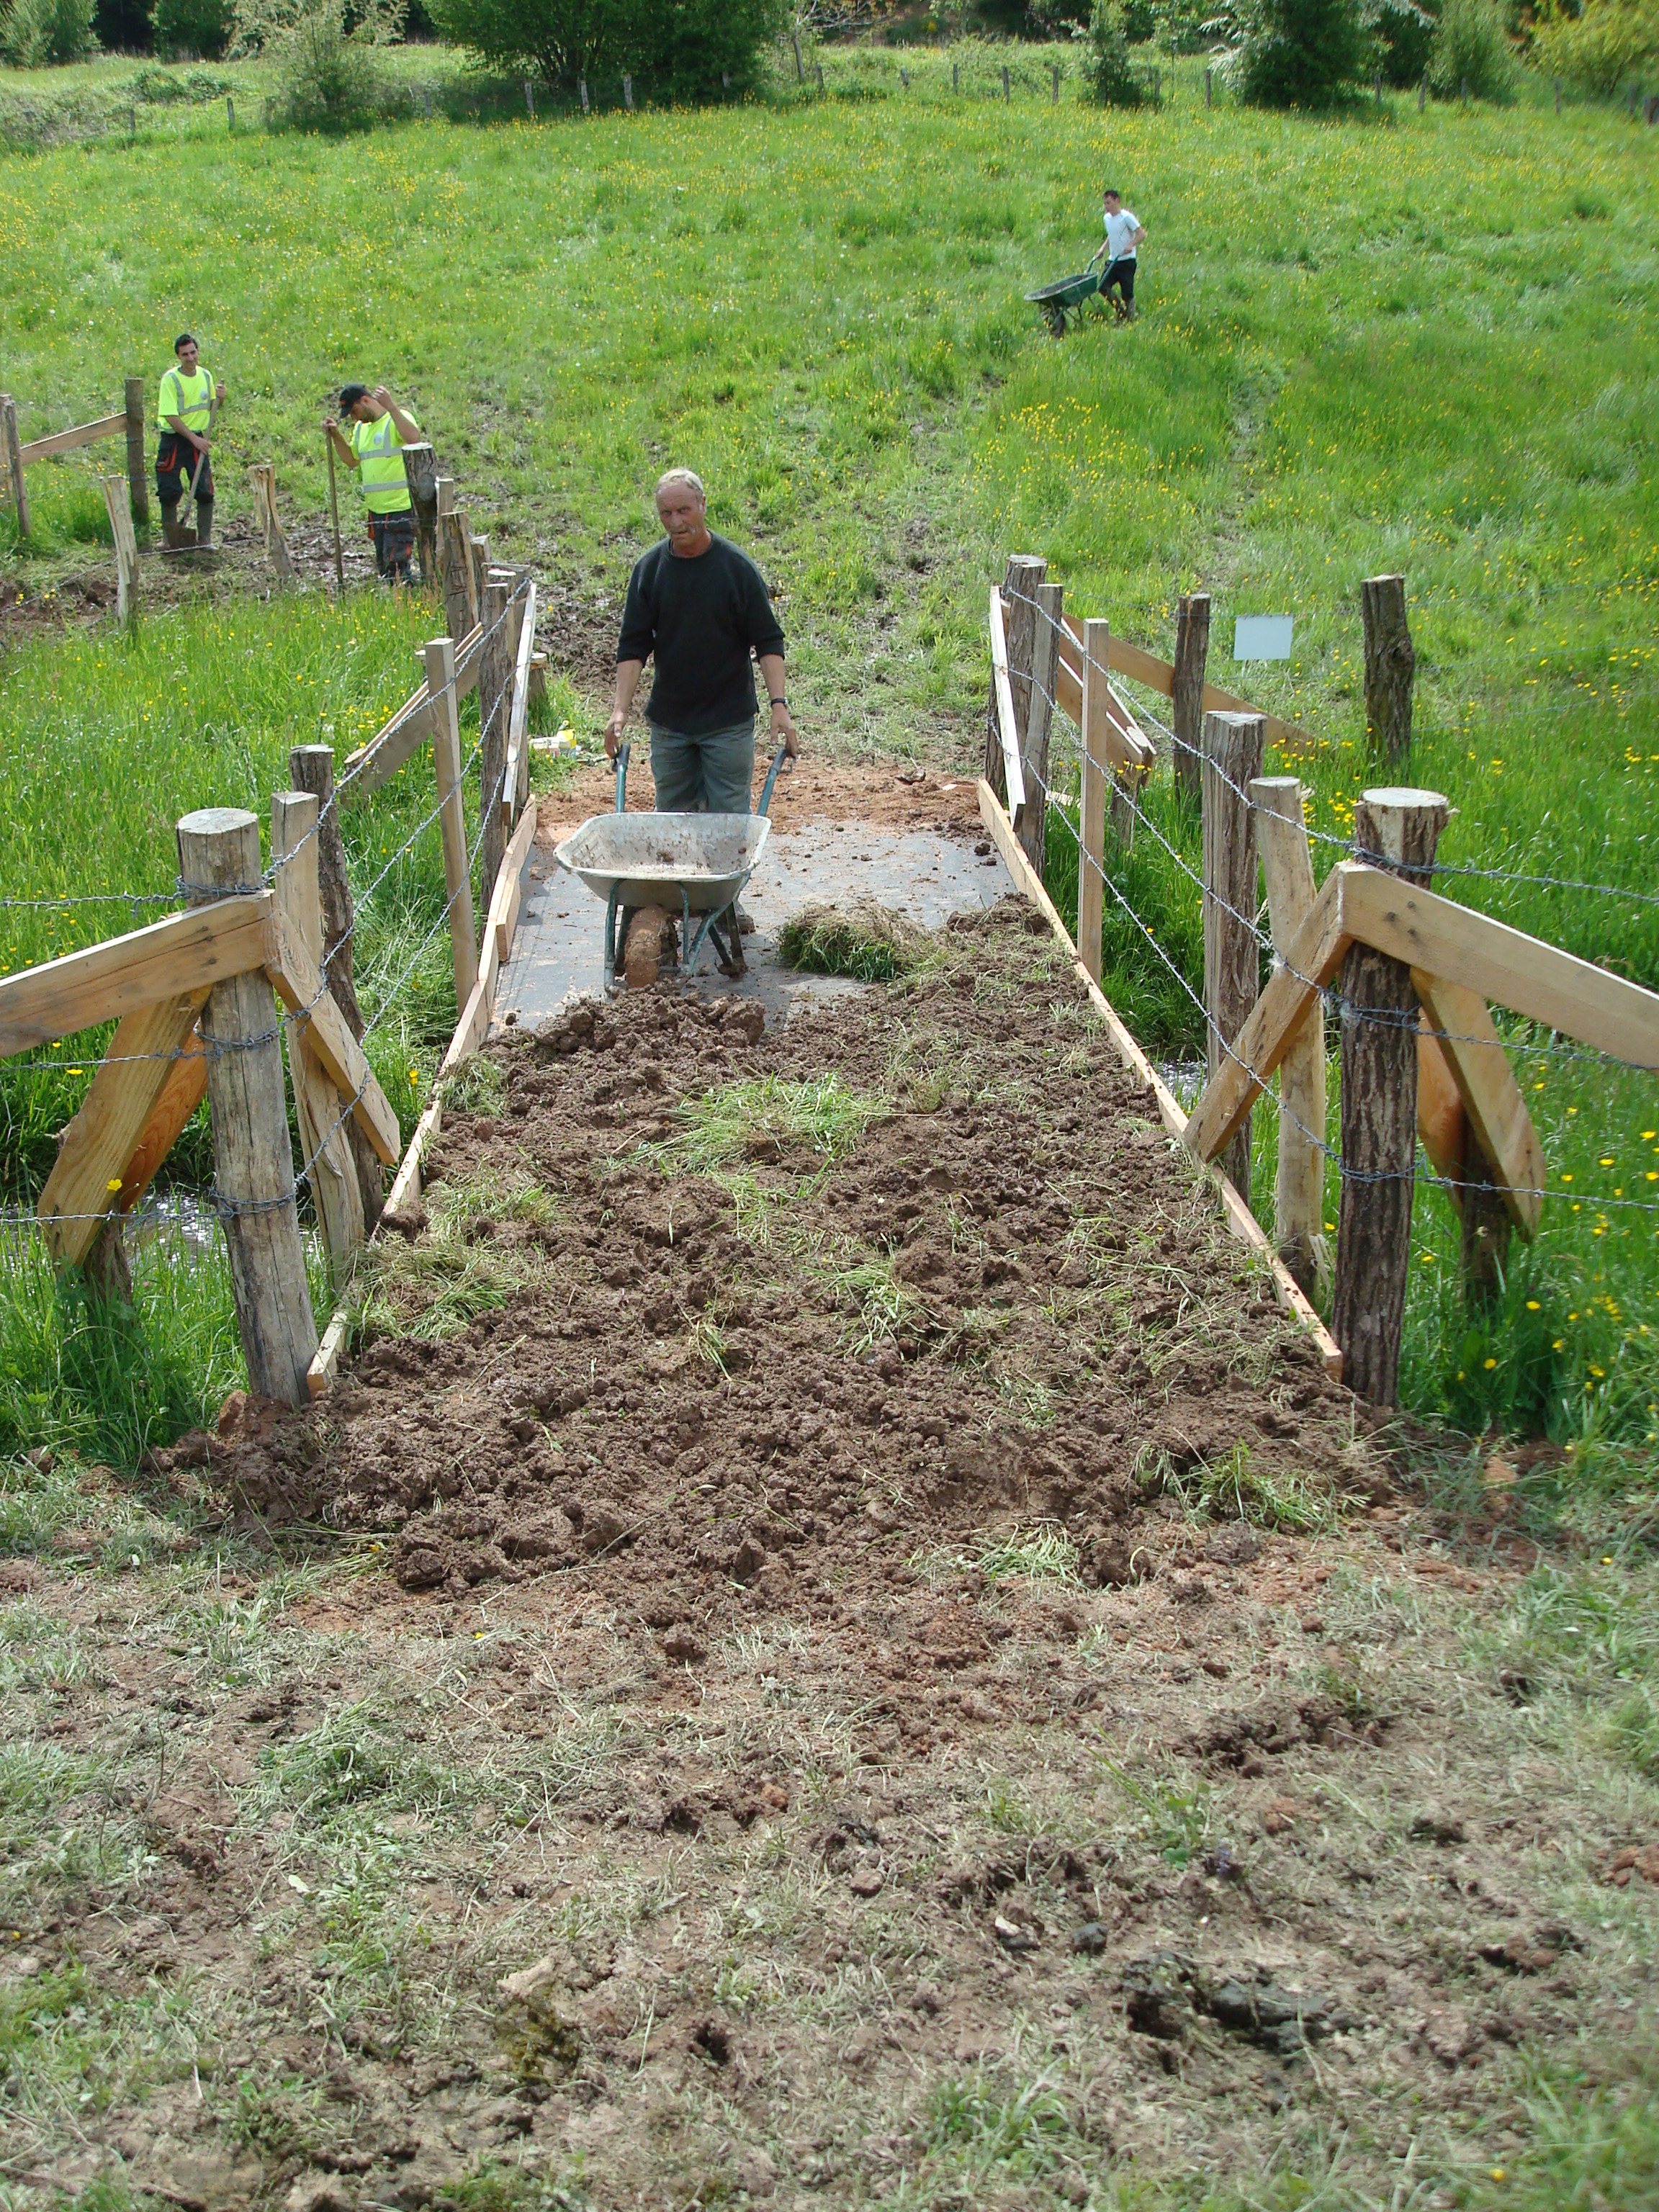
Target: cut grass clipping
[865,941]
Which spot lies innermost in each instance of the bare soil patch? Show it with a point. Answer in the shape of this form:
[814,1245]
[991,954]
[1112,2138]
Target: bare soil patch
[867,1662]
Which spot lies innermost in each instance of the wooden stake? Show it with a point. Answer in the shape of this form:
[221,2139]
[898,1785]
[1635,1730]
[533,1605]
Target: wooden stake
[262,481]
[334,510]
[14,463]
[1024,572]
[1005,93]
[1299,1186]
[254,1167]
[447,764]
[478,551]
[318,1105]
[1044,664]
[494,711]
[421,468]
[1192,652]
[116,501]
[1233,749]
[1397,830]
[1096,767]
[1390,664]
[460,609]
[94,1150]
[311,767]
[137,474]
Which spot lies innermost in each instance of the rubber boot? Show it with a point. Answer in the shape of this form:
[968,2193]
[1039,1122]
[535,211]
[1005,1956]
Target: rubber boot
[173,533]
[205,522]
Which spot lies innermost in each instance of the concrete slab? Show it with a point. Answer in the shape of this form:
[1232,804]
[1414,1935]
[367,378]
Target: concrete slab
[558,950]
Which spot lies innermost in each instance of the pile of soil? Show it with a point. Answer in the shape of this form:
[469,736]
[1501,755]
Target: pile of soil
[1010,1303]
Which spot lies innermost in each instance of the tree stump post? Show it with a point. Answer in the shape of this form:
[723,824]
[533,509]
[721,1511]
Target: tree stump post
[455,553]
[1299,1184]
[421,468]
[495,706]
[14,463]
[252,1164]
[1192,654]
[1233,748]
[1397,830]
[1390,664]
[1024,572]
[318,1107]
[451,815]
[137,474]
[311,767]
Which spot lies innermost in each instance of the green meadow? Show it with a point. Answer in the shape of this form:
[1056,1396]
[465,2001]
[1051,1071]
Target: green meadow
[1389,341]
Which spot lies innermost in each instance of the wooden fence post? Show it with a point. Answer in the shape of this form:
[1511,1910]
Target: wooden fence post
[318,1105]
[1397,830]
[1006,94]
[1299,1186]
[1024,572]
[460,605]
[478,549]
[421,468]
[1091,809]
[1233,749]
[1390,664]
[262,483]
[116,504]
[137,474]
[14,463]
[252,1164]
[452,819]
[800,68]
[495,706]
[1192,654]
[1040,703]
[311,767]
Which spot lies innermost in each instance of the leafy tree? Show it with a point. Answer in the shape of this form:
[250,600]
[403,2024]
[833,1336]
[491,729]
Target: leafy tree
[194,26]
[1472,47]
[1405,39]
[1303,53]
[1611,42]
[37,33]
[1106,70]
[677,49]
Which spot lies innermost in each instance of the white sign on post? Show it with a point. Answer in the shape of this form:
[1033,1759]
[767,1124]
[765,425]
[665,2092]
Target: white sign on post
[1262,637]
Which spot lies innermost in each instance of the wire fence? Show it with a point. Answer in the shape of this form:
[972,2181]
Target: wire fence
[207,1049]
[1068,806]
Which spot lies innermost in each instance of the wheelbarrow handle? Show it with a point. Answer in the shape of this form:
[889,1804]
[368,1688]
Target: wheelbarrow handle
[779,758]
[623,752]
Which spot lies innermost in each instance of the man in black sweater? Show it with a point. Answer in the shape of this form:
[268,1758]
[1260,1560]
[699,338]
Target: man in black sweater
[702,607]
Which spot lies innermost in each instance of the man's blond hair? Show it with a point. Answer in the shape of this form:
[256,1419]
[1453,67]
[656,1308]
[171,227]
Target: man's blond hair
[686,476]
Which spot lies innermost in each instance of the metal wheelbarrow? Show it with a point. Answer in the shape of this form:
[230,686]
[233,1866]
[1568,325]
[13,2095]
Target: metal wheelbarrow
[698,863]
[1065,296]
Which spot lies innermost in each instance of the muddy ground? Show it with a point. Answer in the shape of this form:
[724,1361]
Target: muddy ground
[846,1654]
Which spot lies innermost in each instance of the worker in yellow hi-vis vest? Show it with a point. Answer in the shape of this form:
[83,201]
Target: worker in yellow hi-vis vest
[190,399]
[373,444]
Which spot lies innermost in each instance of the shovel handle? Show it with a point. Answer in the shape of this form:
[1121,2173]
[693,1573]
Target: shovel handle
[623,752]
[778,760]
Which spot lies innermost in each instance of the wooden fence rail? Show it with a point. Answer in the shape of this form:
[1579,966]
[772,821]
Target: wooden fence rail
[1422,1056]
[129,424]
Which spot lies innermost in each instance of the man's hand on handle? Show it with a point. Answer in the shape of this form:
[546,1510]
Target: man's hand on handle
[783,730]
[613,732]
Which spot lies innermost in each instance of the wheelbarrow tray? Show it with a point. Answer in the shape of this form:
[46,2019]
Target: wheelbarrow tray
[696,863]
[1066,291]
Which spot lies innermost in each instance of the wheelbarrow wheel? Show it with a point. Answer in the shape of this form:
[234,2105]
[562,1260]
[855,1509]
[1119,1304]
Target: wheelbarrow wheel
[1054,315]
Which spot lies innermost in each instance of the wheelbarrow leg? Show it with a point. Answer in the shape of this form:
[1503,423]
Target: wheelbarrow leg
[610,945]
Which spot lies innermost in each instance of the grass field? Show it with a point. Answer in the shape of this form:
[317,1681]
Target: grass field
[1393,340]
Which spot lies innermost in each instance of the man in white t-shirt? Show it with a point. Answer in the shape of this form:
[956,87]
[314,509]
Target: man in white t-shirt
[1124,233]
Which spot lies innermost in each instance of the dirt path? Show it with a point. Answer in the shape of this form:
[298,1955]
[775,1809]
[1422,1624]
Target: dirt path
[864,1660]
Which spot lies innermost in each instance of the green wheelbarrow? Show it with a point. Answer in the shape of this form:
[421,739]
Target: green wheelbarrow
[1065,296]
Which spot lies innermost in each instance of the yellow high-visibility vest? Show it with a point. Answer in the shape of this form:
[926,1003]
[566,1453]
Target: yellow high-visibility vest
[380,451]
[189,398]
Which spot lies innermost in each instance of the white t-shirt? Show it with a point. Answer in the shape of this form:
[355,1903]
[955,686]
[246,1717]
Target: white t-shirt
[1119,234]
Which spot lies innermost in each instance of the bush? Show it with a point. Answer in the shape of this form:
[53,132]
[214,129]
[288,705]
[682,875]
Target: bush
[37,33]
[193,26]
[1139,21]
[675,49]
[1472,47]
[324,52]
[1612,41]
[1106,70]
[1303,53]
